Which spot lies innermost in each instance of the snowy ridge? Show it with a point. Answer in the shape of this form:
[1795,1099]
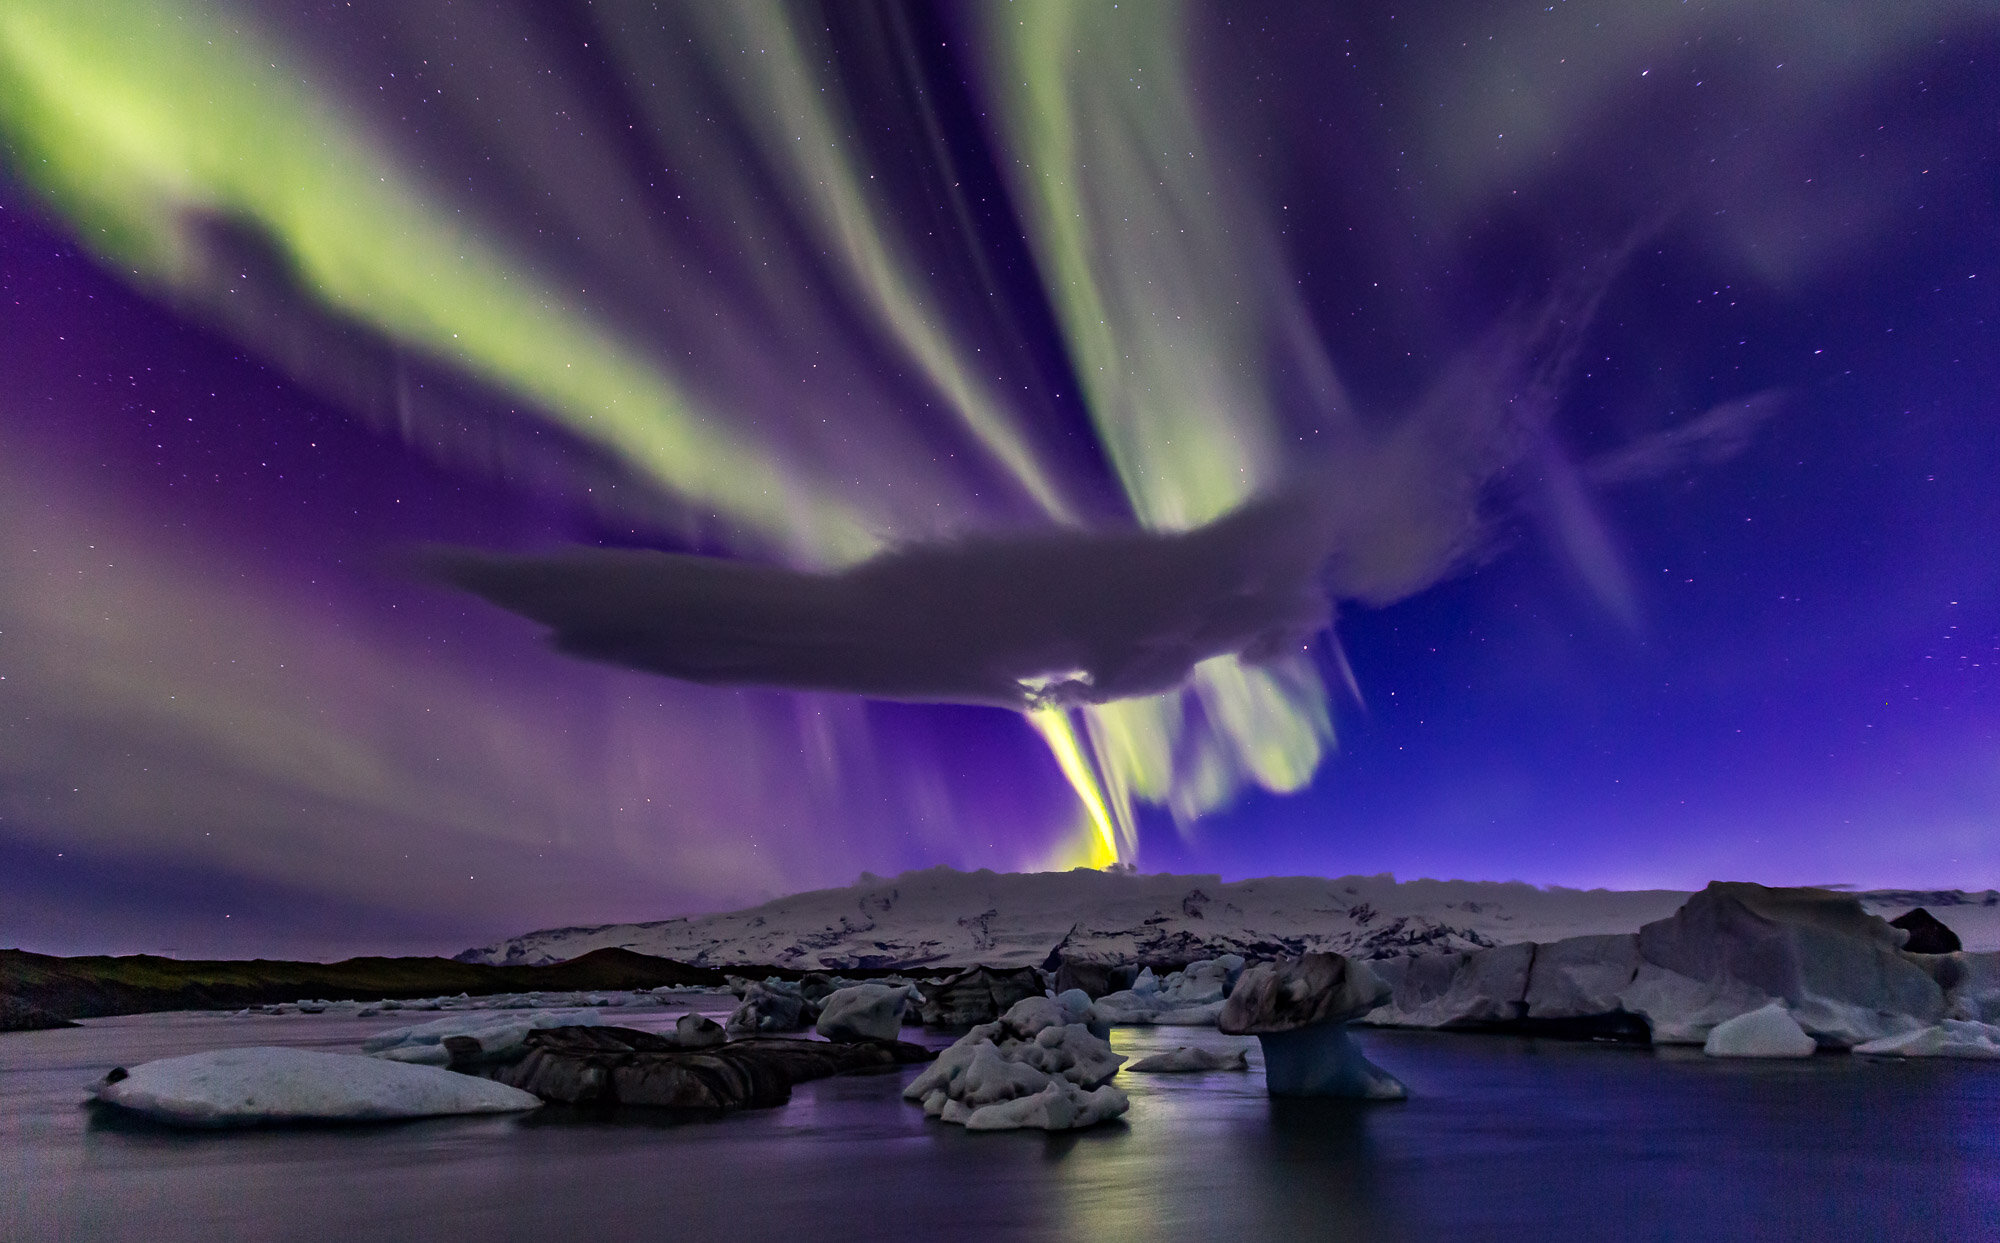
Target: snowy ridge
[944,917]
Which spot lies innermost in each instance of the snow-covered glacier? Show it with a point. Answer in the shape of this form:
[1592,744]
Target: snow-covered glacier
[943,917]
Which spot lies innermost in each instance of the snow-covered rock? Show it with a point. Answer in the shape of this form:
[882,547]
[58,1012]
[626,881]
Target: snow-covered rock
[1951,1038]
[1768,1031]
[1186,1060]
[1028,1053]
[240,1087]
[863,1012]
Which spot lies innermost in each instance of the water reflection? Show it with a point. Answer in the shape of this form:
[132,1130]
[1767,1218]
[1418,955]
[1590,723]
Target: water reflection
[1500,1139]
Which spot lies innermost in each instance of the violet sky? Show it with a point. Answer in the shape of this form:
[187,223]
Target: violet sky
[1715,598]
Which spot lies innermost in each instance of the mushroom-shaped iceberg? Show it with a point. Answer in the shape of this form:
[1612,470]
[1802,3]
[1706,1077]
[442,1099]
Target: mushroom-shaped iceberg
[1298,1010]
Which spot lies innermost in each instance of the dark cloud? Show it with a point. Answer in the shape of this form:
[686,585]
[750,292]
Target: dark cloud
[1010,620]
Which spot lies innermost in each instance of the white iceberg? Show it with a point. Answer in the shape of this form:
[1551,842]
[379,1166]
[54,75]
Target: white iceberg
[1187,1060]
[241,1087]
[863,1012]
[1061,1106]
[1965,1038]
[1768,1031]
[1029,1053]
[1190,997]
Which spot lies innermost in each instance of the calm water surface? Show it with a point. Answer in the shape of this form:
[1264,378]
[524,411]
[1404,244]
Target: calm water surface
[1502,1139]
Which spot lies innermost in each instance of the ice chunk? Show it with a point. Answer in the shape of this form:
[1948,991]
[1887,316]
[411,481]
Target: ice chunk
[697,1031]
[1768,1031]
[1185,1060]
[1061,1106]
[863,1012]
[239,1087]
[771,1006]
[1951,1038]
[1025,1053]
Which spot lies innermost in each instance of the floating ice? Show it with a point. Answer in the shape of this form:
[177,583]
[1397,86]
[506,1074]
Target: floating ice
[1029,1054]
[1768,1031]
[1186,1060]
[863,1012]
[241,1087]
[1952,1038]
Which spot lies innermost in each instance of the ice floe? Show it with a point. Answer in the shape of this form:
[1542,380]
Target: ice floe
[240,1087]
[1951,1038]
[1186,1060]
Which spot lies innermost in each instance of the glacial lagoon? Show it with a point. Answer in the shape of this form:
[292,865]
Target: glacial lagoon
[1502,1138]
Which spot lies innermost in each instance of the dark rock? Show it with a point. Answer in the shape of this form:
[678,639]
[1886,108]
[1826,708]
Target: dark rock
[17,1015]
[1094,978]
[1302,992]
[978,995]
[1928,933]
[622,1066]
[76,988]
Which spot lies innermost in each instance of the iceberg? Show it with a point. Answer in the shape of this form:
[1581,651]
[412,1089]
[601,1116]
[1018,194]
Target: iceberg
[1029,1068]
[1186,1060]
[771,1006]
[1299,1010]
[244,1087]
[1951,1038]
[863,1012]
[1768,1031]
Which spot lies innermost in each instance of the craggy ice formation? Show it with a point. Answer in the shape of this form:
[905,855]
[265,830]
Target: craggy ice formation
[1190,997]
[1037,1066]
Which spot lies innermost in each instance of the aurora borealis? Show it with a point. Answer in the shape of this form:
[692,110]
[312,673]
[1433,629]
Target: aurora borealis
[1626,378]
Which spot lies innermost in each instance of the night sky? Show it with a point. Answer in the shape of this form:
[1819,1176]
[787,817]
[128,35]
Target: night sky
[1623,382]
